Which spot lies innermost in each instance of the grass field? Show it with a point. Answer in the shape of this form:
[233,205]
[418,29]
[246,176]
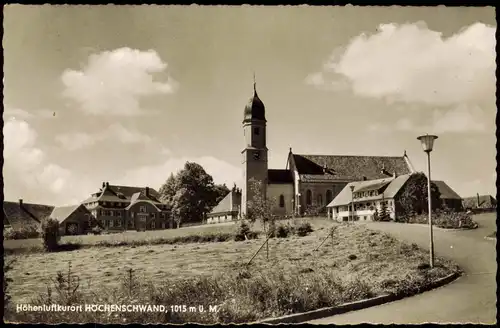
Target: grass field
[136,237]
[360,263]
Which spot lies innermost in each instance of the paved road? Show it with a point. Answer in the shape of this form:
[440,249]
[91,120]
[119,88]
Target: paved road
[470,299]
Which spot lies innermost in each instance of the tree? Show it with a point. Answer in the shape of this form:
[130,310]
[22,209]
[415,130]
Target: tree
[195,194]
[413,198]
[383,214]
[168,189]
[191,193]
[220,191]
[260,207]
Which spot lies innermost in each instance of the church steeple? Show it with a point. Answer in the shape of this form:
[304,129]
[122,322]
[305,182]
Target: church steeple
[255,109]
[255,152]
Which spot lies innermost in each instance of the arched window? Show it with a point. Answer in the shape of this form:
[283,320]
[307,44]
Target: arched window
[308,197]
[320,199]
[328,196]
[282,201]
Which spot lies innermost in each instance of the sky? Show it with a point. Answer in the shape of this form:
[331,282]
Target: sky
[128,94]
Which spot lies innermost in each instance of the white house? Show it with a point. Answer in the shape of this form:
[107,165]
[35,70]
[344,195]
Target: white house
[367,196]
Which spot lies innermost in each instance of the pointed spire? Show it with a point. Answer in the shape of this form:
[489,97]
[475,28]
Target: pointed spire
[254,84]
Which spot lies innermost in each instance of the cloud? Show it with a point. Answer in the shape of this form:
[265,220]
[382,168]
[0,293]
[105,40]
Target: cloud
[116,132]
[22,114]
[27,171]
[153,175]
[113,82]
[410,63]
[458,120]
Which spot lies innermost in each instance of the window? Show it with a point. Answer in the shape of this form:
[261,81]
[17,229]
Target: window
[133,223]
[111,223]
[119,214]
[153,215]
[152,224]
[308,197]
[282,201]
[162,215]
[118,223]
[142,209]
[110,213]
[256,131]
[328,196]
[320,199]
[163,225]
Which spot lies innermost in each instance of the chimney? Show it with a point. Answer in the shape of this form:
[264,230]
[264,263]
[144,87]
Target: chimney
[365,178]
[20,202]
[477,199]
[107,184]
[147,191]
[103,185]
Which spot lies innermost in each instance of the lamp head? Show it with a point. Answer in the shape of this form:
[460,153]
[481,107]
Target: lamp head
[427,142]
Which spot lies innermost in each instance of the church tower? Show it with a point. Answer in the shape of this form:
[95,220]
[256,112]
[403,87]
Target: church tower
[255,152]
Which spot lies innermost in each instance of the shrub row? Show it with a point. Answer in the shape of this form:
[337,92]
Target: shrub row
[25,232]
[446,220]
[283,230]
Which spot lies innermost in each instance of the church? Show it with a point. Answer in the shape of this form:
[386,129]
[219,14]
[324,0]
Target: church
[308,182]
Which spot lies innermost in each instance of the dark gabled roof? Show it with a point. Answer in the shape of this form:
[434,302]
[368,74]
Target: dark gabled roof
[115,193]
[339,167]
[445,190]
[485,201]
[376,185]
[26,214]
[279,176]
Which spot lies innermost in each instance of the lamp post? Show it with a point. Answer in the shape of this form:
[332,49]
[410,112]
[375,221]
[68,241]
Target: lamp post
[427,144]
[352,202]
[298,204]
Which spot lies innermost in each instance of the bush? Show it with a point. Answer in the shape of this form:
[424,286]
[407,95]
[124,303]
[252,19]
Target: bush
[243,232]
[303,229]
[25,232]
[50,234]
[283,231]
[97,230]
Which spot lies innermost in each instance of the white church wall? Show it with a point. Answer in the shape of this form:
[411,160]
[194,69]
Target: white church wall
[274,191]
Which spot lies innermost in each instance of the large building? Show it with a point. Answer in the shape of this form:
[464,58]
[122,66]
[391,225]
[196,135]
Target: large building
[119,208]
[308,182]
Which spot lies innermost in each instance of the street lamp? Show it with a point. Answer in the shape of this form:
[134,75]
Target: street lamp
[427,144]
[352,202]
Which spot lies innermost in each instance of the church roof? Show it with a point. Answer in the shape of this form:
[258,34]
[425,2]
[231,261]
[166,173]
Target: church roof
[255,109]
[279,176]
[357,168]
[445,190]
